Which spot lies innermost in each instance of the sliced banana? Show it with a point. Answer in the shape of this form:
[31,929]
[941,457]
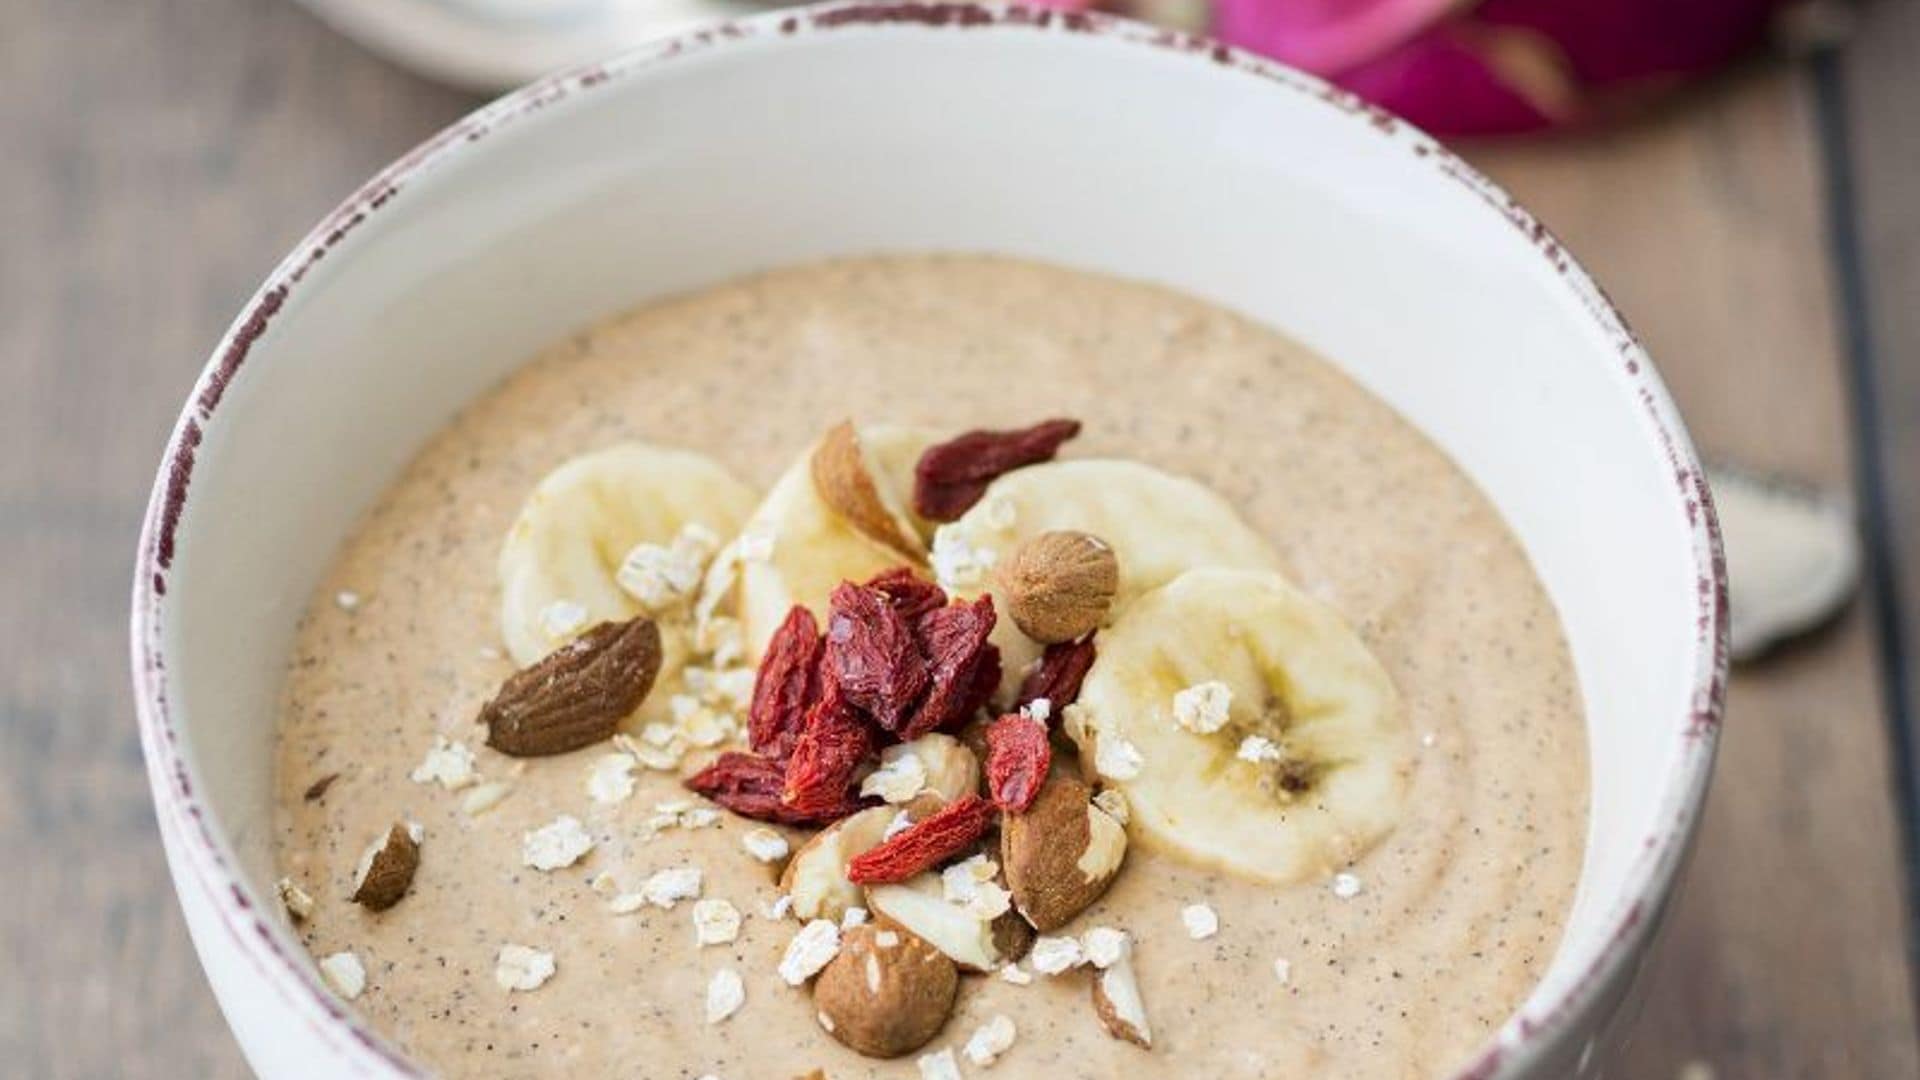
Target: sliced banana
[1158,524]
[1311,765]
[561,566]
[795,548]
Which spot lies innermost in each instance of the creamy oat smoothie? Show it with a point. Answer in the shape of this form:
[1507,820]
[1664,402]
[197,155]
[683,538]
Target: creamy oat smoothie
[940,666]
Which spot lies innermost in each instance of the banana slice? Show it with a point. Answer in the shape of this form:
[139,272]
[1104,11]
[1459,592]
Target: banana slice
[1159,525]
[795,548]
[564,560]
[1248,725]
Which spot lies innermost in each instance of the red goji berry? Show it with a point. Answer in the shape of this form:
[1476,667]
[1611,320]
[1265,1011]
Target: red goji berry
[910,594]
[1058,675]
[1018,753]
[785,685]
[750,785]
[871,654]
[827,756]
[924,844]
[949,478]
[954,641]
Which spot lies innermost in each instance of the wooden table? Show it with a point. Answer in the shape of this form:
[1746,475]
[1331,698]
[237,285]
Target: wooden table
[156,158]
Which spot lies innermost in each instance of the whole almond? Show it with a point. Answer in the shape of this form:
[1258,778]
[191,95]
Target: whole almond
[386,869]
[578,694]
[1059,585]
[886,993]
[845,482]
[1061,854]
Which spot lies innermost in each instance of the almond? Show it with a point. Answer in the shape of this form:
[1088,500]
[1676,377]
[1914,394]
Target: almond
[578,694]
[386,869]
[844,479]
[1116,1001]
[816,877]
[976,944]
[1060,855]
[1059,585]
[887,992]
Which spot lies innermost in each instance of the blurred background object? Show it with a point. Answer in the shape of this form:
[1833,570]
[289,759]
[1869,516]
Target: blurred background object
[1761,230]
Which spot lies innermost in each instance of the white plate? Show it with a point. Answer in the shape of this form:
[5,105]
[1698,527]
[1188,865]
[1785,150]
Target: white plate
[493,45]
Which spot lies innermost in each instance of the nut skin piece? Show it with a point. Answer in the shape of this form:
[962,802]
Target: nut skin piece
[846,484]
[1059,585]
[886,1001]
[1060,855]
[386,870]
[578,694]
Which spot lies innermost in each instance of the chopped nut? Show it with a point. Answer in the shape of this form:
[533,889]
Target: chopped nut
[347,600]
[558,844]
[1116,1001]
[1346,886]
[1061,854]
[345,973]
[1059,585]
[715,922]
[1203,708]
[386,869]
[1200,921]
[449,764]
[990,1040]
[1283,969]
[297,901]
[810,950]
[521,968]
[1012,973]
[845,481]
[1114,802]
[725,994]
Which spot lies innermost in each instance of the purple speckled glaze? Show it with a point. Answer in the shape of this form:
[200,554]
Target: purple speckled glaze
[185,822]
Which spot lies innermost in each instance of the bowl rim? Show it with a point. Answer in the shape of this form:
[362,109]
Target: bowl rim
[199,849]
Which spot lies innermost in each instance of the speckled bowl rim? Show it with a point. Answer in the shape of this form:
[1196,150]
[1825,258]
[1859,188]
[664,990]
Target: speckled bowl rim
[208,858]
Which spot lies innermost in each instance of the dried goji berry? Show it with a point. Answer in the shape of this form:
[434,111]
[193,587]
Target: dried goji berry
[827,756]
[925,844]
[951,477]
[1058,676]
[750,785]
[872,656]
[785,685]
[954,641]
[910,594]
[1018,753]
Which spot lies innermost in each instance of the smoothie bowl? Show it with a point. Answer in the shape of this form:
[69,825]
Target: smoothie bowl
[928,540]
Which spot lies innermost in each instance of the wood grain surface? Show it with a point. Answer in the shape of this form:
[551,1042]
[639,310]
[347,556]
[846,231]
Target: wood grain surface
[156,158]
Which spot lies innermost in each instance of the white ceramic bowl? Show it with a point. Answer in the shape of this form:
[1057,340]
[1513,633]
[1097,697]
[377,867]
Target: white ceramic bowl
[903,127]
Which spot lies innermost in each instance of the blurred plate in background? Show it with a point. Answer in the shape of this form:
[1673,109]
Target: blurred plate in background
[492,45]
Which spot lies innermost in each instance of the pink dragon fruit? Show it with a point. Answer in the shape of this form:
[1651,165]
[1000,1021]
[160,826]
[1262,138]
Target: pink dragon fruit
[1483,67]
